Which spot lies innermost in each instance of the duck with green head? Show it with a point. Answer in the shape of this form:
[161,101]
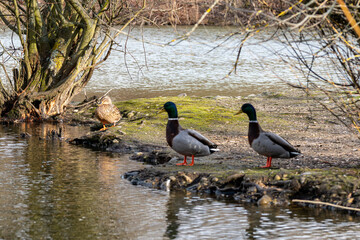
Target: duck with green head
[268,144]
[186,142]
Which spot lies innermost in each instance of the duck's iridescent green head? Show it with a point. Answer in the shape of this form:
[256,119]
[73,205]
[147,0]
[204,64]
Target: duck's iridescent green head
[249,110]
[170,108]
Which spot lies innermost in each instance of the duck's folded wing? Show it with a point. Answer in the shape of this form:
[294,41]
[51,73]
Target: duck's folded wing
[280,141]
[115,111]
[200,138]
[112,112]
[109,113]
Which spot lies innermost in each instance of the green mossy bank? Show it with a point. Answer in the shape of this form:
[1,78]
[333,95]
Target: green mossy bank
[319,174]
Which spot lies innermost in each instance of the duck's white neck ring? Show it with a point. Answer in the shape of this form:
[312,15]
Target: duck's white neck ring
[172,119]
[253,121]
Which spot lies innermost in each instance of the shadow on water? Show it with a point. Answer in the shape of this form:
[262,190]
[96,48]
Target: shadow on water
[199,217]
[50,189]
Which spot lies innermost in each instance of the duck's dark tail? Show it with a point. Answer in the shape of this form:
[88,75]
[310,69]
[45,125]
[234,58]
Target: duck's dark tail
[213,148]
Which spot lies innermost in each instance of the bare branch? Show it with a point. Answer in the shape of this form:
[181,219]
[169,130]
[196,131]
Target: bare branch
[186,35]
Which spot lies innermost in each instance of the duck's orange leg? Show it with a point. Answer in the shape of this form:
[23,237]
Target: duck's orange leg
[268,162]
[192,161]
[104,128]
[183,163]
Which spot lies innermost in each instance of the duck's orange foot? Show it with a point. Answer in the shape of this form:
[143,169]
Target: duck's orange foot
[182,164]
[192,161]
[103,128]
[268,163]
[265,166]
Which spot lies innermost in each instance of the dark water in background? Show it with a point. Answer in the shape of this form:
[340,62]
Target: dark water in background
[50,189]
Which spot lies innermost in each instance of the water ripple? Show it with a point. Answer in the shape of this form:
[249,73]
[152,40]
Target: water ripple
[53,190]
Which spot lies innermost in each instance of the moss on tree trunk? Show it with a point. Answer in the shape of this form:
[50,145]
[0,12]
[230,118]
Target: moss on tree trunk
[61,45]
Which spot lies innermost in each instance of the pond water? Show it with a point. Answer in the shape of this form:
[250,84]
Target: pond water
[198,66]
[50,189]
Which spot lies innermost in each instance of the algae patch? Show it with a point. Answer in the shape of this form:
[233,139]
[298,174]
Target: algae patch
[143,121]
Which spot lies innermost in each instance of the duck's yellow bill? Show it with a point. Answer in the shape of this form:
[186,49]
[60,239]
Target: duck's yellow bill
[239,112]
[161,110]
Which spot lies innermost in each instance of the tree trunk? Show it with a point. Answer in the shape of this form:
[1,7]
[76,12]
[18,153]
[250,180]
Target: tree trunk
[61,45]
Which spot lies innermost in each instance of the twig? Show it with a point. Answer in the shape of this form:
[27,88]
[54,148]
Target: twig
[107,92]
[349,17]
[326,204]
[82,105]
[88,103]
[247,36]
[186,35]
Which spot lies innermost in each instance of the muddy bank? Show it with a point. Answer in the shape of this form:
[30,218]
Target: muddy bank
[112,141]
[262,187]
[267,187]
[327,171]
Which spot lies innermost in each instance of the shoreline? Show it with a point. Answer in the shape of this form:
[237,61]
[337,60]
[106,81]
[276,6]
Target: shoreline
[328,171]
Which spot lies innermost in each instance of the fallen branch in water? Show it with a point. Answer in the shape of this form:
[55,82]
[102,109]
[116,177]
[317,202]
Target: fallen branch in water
[326,204]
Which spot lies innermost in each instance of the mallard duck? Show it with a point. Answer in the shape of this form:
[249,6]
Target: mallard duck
[186,142]
[268,144]
[107,112]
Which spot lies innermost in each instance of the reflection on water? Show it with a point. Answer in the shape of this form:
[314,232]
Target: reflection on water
[195,217]
[52,190]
